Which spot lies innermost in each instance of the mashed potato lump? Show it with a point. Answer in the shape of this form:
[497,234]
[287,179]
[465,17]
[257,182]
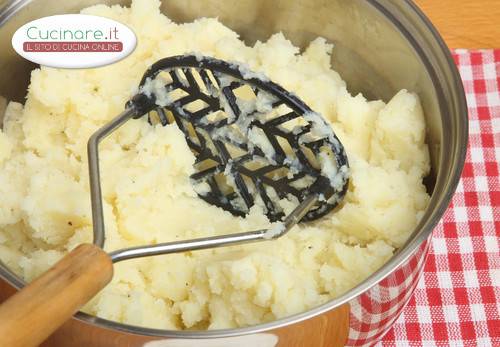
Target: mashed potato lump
[148,198]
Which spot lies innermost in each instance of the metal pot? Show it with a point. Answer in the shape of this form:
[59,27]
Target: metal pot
[381,46]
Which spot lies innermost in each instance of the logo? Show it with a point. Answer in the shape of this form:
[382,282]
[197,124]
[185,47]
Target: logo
[74,41]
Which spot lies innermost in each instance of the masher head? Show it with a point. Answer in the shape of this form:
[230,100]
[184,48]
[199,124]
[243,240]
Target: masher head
[252,139]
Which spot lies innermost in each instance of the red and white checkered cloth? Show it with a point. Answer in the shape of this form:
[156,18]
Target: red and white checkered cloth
[457,301]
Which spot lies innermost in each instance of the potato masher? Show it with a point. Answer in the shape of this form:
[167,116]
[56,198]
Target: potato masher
[253,142]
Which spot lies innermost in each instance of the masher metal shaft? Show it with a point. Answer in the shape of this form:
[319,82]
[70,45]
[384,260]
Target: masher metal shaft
[95,177]
[215,241]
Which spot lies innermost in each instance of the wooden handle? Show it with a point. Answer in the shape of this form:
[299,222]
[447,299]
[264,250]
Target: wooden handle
[35,312]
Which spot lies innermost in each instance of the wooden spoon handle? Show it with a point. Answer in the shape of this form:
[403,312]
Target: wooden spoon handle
[35,312]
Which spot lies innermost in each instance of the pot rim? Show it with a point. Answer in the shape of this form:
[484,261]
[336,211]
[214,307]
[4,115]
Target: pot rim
[399,257]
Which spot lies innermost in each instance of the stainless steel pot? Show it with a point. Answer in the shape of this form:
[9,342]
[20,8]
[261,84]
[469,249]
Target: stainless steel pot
[381,46]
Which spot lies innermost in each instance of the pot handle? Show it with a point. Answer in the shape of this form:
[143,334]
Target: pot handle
[36,311]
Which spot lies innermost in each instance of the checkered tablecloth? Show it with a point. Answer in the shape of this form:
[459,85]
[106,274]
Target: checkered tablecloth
[457,302]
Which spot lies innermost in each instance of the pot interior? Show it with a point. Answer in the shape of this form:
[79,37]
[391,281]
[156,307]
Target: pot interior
[380,48]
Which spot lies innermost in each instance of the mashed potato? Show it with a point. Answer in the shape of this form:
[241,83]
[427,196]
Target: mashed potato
[148,198]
